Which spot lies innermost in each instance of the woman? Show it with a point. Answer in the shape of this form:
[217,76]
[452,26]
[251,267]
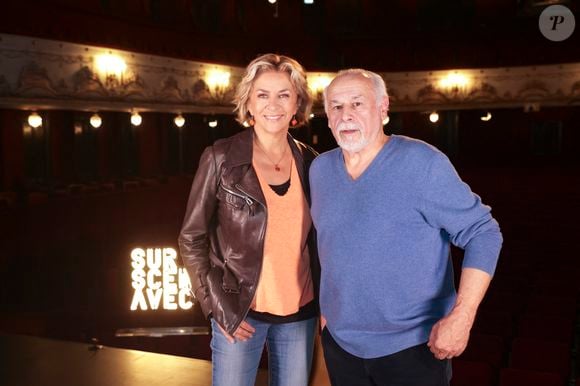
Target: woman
[247,240]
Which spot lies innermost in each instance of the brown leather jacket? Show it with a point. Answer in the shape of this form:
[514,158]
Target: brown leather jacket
[222,237]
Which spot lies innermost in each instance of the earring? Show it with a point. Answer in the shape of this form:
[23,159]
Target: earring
[251,121]
[294,122]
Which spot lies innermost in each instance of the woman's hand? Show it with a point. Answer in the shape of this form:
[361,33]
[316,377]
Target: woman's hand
[244,332]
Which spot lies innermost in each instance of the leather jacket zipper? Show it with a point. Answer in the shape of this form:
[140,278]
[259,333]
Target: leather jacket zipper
[262,236]
[249,197]
[245,198]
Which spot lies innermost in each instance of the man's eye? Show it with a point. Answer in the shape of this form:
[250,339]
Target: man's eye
[336,107]
[357,104]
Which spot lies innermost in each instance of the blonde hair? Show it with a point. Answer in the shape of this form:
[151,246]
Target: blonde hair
[273,62]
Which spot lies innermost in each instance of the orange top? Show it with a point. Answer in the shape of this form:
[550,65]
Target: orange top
[285,282]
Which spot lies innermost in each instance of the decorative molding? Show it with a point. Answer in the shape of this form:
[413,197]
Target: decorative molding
[37,73]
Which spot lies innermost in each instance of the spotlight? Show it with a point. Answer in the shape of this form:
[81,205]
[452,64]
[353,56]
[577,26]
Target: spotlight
[486,117]
[213,123]
[434,117]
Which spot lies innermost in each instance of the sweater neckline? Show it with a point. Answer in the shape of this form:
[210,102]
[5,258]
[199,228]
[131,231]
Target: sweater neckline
[386,149]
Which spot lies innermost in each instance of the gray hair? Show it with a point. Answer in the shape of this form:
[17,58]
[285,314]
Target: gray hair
[377,81]
[280,63]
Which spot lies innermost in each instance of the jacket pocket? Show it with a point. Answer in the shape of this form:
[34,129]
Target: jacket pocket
[230,283]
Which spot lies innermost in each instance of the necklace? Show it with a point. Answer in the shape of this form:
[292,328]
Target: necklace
[276,164]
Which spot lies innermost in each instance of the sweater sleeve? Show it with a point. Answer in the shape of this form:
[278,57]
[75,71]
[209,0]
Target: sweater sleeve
[449,204]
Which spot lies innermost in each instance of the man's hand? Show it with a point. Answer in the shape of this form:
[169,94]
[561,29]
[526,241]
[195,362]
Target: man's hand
[450,335]
[244,332]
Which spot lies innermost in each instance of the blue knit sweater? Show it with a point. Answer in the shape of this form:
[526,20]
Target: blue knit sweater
[384,242]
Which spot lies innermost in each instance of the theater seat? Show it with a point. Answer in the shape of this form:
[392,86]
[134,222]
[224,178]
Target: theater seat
[540,355]
[554,328]
[485,348]
[472,373]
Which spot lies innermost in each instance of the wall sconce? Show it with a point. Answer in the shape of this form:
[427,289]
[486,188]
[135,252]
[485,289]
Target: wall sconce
[34,120]
[179,121]
[455,83]
[218,81]
[96,121]
[78,129]
[112,67]
[486,117]
[213,123]
[386,120]
[136,119]
[434,117]
[317,83]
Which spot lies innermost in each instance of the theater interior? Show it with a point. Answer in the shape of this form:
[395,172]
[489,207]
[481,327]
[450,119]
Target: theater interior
[96,162]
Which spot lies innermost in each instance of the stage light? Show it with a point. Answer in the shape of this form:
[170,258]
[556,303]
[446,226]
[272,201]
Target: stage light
[213,123]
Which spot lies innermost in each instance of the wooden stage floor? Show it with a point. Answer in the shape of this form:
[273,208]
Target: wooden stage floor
[33,361]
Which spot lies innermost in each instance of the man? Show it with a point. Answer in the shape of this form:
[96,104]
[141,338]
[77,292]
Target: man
[386,209]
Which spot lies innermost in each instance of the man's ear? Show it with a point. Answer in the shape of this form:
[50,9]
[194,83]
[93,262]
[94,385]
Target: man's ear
[384,106]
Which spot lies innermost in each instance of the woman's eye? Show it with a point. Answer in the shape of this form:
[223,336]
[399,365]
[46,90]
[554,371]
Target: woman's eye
[262,95]
[284,96]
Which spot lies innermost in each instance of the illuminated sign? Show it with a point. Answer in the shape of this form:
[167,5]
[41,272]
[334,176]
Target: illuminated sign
[158,281]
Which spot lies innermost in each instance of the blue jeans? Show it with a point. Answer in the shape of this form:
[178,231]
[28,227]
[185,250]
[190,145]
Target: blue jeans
[290,347]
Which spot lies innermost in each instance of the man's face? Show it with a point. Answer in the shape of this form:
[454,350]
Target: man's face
[354,115]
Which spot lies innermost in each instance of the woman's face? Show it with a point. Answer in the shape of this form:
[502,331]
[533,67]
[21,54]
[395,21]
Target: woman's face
[273,102]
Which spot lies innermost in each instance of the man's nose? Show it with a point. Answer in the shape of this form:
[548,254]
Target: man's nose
[346,114]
